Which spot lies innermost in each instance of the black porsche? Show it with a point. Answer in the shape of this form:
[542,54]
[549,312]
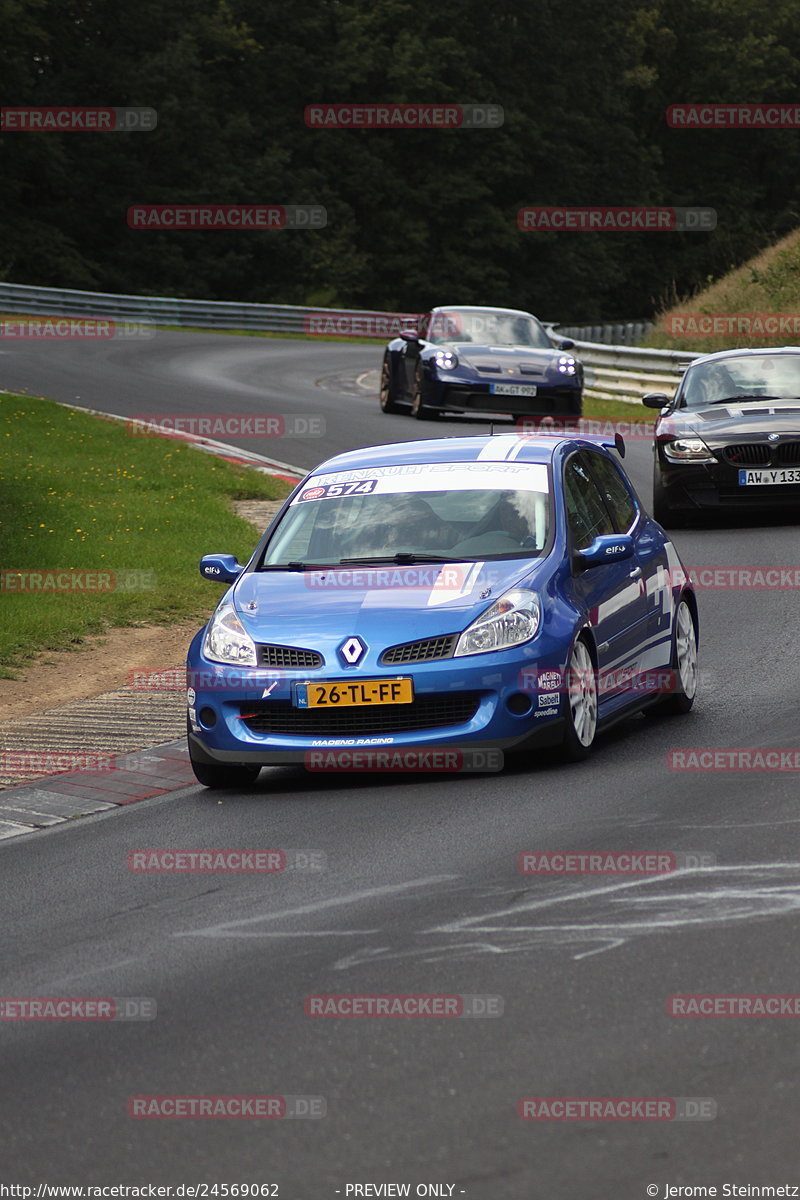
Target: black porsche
[730,436]
[465,359]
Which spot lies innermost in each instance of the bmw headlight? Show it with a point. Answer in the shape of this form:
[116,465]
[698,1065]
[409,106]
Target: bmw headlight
[446,360]
[566,364]
[688,450]
[227,640]
[513,619]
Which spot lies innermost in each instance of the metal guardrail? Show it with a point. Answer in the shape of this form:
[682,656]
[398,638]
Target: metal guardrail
[202,314]
[616,369]
[624,333]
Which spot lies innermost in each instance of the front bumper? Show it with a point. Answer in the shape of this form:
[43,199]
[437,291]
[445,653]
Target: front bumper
[503,716]
[715,486]
[477,397]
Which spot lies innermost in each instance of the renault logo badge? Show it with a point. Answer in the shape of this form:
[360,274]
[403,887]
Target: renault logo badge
[352,650]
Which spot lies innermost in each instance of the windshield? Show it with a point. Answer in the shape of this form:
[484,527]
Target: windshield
[751,377]
[487,328]
[456,512]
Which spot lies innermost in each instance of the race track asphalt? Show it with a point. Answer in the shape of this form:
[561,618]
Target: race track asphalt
[420,893]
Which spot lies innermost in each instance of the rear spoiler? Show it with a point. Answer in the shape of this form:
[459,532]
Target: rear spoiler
[603,434]
[617,442]
[608,443]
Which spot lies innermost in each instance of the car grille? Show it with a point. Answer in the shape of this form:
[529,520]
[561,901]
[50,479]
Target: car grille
[549,401]
[762,454]
[789,452]
[289,657]
[424,650]
[425,712]
[751,454]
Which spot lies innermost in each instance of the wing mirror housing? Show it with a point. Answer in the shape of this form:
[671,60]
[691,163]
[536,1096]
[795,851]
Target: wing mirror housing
[220,568]
[608,547]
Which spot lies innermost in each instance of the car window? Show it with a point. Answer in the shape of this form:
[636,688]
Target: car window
[478,510]
[487,328]
[587,515]
[773,376]
[615,493]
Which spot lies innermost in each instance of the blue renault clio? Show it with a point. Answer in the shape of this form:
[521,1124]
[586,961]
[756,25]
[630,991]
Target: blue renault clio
[506,592]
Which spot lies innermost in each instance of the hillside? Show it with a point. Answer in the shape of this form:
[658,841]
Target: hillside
[757,304]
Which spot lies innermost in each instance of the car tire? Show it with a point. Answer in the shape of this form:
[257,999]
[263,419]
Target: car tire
[663,511]
[223,775]
[422,412]
[388,402]
[581,703]
[683,662]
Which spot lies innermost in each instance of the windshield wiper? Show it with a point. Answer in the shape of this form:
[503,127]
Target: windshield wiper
[402,559]
[736,399]
[296,566]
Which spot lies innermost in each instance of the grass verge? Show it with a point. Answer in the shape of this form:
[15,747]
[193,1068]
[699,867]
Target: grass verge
[768,286]
[133,514]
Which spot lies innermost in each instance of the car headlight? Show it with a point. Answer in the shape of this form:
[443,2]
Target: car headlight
[446,359]
[566,364]
[227,640]
[513,619]
[688,450]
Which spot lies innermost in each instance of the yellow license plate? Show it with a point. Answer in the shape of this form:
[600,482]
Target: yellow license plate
[345,693]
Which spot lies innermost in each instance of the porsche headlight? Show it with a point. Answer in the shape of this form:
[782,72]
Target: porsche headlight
[566,364]
[513,619]
[688,450]
[227,640]
[446,360]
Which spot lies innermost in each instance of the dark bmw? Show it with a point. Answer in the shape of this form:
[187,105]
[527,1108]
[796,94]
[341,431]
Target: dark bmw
[730,437]
[480,360]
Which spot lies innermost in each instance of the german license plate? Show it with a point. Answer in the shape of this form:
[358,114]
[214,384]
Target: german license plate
[513,389]
[772,477]
[346,693]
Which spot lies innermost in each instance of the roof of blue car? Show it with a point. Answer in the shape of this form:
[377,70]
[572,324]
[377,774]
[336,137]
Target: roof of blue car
[498,448]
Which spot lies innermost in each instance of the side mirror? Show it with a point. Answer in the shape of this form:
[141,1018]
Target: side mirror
[566,344]
[221,568]
[409,335]
[655,400]
[604,549]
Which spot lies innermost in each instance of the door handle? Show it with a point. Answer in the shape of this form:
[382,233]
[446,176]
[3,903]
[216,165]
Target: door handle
[635,573]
